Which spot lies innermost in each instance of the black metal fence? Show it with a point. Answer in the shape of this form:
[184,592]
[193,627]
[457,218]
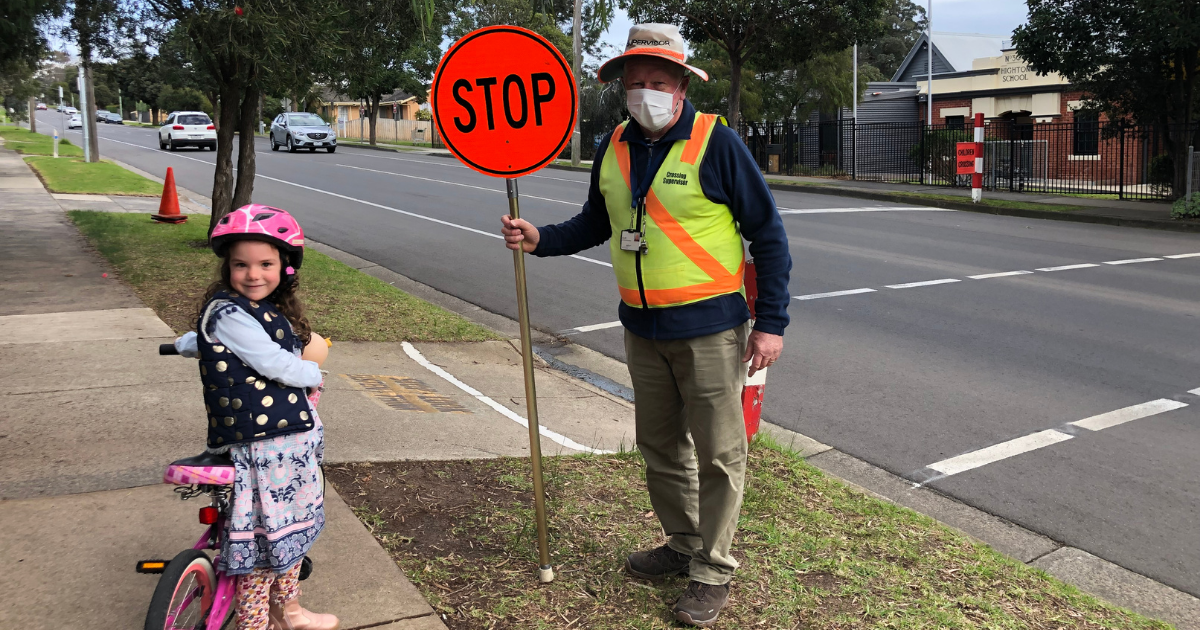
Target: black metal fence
[1083,157]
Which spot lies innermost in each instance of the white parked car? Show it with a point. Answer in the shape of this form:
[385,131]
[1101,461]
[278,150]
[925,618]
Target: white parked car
[75,121]
[70,111]
[187,129]
[302,130]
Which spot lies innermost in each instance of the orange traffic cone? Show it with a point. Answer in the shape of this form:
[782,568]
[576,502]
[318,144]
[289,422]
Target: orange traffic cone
[168,206]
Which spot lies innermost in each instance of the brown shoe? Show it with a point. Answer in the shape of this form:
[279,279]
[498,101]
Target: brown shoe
[701,603]
[657,564]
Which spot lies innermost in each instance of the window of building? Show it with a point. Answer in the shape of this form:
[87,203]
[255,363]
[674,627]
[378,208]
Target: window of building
[1086,139]
[955,122]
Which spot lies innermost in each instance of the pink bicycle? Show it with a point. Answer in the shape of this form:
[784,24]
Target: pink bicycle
[192,594]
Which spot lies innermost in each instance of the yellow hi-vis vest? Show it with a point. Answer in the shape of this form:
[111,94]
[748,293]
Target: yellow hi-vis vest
[694,247]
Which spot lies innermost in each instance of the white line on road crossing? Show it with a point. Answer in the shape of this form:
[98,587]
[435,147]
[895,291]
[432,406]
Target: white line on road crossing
[1184,255]
[817,296]
[1068,267]
[1130,261]
[1002,274]
[591,327]
[865,209]
[442,181]
[1128,414]
[1194,391]
[926,283]
[1034,441]
[416,355]
[997,452]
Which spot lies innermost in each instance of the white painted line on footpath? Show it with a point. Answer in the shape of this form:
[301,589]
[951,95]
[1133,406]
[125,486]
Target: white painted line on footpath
[862,209]
[369,203]
[817,296]
[997,452]
[1067,267]
[1184,255]
[926,283]
[1002,274]
[1130,261]
[416,355]
[1128,414]
[591,327]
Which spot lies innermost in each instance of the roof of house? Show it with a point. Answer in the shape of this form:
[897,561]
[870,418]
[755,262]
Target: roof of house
[957,50]
[330,97]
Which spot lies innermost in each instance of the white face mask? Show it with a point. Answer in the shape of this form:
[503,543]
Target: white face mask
[650,108]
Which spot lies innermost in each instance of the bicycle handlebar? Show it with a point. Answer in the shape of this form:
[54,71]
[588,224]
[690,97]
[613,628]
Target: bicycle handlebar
[167,348]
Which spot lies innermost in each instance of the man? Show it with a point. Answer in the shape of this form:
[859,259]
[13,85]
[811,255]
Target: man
[676,191]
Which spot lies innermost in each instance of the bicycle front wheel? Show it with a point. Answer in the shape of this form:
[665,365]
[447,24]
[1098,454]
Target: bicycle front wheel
[184,596]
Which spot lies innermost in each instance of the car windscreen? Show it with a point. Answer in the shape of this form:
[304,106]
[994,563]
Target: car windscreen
[305,120]
[193,119]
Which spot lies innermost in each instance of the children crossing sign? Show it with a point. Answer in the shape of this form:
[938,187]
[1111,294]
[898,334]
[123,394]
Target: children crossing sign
[504,101]
[965,160]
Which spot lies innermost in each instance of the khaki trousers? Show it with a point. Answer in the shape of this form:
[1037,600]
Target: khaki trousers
[691,433]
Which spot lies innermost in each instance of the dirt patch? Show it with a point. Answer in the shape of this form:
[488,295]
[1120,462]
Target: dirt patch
[813,553]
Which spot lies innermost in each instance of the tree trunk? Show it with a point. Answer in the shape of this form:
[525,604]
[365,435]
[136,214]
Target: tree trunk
[373,114]
[735,89]
[222,195]
[32,114]
[245,175]
[214,99]
[89,117]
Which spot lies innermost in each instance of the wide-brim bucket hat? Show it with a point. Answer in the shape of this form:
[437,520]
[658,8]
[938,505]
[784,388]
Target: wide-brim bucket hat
[650,40]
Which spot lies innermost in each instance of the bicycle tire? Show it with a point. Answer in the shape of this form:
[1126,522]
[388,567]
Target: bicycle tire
[190,566]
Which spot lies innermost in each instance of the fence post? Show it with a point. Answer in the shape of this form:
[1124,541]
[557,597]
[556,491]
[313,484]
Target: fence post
[1012,154]
[1121,167]
[924,137]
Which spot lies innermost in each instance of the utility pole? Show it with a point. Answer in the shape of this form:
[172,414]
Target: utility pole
[89,118]
[929,31]
[578,53]
[87,146]
[120,104]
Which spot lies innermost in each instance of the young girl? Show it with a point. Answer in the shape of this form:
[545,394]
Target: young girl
[249,335]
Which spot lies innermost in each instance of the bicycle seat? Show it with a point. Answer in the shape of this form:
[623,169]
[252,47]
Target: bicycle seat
[203,469]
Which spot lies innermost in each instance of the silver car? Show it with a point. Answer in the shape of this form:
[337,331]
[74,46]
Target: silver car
[301,130]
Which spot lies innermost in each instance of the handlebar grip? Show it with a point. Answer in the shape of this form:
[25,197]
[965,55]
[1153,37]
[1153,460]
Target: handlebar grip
[167,348]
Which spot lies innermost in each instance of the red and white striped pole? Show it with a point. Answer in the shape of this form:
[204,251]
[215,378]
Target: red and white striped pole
[977,177]
[753,387]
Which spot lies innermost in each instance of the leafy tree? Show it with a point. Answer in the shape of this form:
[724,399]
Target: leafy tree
[238,47]
[139,75]
[21,42]
[1137,60]
[172,99]
[385,46]
[904,22]
[768,34]
[96,26]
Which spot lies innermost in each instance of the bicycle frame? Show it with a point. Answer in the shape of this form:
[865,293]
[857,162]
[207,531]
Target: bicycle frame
[223,597]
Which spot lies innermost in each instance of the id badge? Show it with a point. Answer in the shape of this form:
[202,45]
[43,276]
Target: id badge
[631,240]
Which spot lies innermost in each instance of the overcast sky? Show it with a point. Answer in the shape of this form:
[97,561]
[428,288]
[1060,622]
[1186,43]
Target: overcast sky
[989,17]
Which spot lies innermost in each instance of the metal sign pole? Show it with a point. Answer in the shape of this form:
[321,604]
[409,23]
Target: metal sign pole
[545,571]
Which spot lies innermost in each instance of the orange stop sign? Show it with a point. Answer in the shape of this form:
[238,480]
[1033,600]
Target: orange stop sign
[504,101]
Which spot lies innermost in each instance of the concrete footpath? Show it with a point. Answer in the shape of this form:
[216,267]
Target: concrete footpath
[93,415]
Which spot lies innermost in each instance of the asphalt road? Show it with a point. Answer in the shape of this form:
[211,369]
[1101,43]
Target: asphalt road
[906,378]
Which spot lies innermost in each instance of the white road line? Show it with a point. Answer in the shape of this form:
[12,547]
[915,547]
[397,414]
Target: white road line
[416,355]
[369,203]
[1184,255]
[926,283]
[1002,274]
[817,296]
[442,181]
[591,327]
[1128,414]
[997,452]
[1130,261]
[1067,267]
[452,163]
[1194,391]
[863,209]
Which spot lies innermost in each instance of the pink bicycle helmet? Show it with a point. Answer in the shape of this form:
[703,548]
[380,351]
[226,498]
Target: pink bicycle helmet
[262,223]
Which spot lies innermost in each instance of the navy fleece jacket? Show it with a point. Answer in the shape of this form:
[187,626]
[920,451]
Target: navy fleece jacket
[729,176]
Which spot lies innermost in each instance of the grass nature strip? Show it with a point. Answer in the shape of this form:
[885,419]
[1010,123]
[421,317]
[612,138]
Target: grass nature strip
[73,175]
[169,266]
[27,142]
[814,553]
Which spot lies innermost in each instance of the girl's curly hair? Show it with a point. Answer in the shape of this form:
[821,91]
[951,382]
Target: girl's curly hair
[283,297]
